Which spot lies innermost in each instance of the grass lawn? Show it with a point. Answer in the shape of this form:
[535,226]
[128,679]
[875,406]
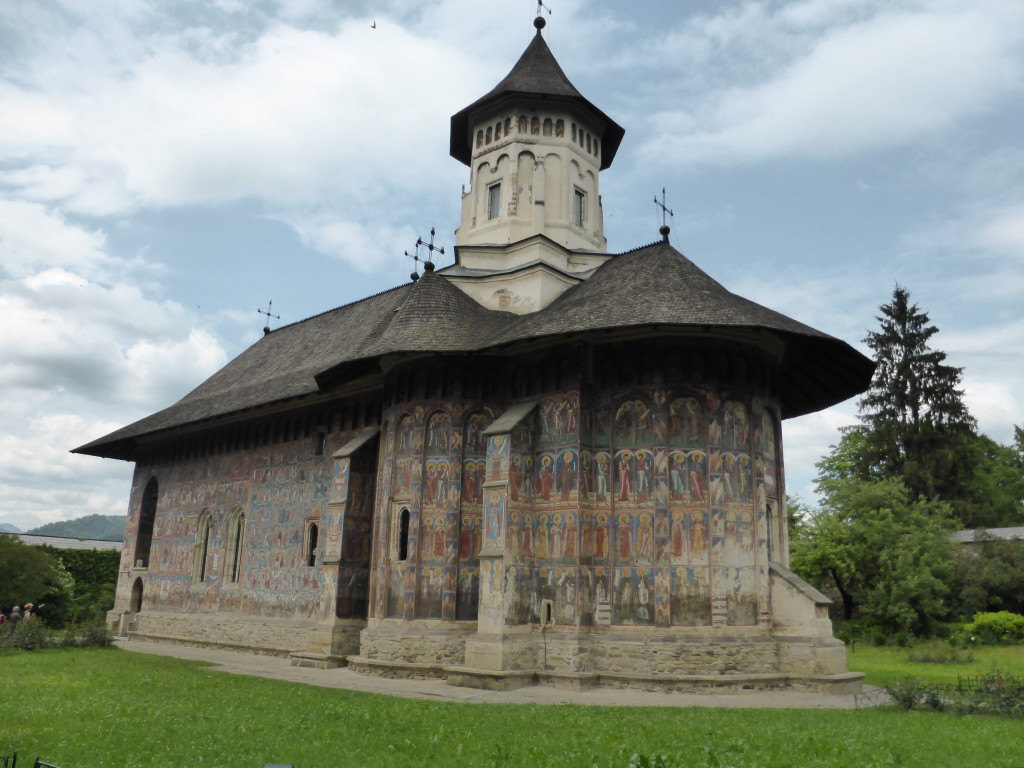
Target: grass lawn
[111,708]
[890,664]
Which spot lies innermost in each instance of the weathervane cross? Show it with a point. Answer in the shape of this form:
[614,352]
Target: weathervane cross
[267,312]
[428,265]
[664,208]
[542,7]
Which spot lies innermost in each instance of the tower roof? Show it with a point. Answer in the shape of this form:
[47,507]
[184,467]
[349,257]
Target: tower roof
[537,75]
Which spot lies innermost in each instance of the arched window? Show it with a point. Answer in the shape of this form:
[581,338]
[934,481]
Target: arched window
[487,137]
[508,125]
[403,535]
[559,128]
[523,126]
[497,130]
[236,537]
[548,125]
[147,514]
[535,126]
[573,135]
[479,138]
[202,550]
[311,544]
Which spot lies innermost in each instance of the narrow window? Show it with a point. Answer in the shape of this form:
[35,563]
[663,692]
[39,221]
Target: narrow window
[494,201]
[559,128]
[311,545]
[497,130]
[579,207]
[489,135]
[535,126]
[523,127]
[479,139]
[202,548]
[403,535]
[147,515]
[508,125]
[547,126]
[321,443]
[236,537]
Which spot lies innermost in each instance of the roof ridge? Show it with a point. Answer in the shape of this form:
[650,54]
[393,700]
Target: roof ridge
[341,306]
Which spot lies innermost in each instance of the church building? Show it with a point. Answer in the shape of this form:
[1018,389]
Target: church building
[545,463]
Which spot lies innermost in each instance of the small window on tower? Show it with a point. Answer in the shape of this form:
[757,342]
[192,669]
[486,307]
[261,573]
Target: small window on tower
[579,208]
[494,201]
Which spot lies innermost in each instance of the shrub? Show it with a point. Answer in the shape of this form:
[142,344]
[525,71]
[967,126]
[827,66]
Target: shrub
[33,636]
[994,694]
[28,635]
[995,628]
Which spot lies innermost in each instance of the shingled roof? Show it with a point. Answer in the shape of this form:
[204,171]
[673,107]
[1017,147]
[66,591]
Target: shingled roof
[537,75]
[651,286]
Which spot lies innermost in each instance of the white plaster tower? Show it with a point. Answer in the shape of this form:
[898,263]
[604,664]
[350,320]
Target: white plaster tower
[532,221]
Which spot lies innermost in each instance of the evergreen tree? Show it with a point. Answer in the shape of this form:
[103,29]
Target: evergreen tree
[916,425]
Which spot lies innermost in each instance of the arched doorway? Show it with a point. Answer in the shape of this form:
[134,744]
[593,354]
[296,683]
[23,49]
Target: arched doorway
[135,604]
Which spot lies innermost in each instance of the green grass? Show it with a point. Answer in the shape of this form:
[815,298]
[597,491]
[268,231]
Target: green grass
[102,708]
[889,664]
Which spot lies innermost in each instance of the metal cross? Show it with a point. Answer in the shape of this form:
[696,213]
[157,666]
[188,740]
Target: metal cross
[541,6]
[415,257]
[664,209]
[270,306]
[428,265]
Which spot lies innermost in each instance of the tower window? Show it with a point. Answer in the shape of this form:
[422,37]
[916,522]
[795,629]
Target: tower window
[579,208]
[494,201]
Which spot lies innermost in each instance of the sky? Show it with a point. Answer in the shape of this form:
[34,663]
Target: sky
[167,168]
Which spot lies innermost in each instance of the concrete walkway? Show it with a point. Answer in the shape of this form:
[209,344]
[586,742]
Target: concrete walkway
[281,669]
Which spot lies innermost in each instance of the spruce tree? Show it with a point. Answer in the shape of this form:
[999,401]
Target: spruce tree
[915,422]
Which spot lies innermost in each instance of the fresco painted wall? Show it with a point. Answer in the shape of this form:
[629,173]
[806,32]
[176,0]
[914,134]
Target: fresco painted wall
[433,469]
[279,488]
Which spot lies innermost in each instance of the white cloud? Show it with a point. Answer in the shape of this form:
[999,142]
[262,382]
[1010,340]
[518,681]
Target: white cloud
[884,81]
[1005,231]
[32,237]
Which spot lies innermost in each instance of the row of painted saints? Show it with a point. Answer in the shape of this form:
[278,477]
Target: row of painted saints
[628,478]
[687,422]
[632,538]
[697,475]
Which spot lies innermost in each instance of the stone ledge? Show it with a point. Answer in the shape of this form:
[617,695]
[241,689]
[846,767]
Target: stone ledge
[489,679]
[317,660]
[396,669]
[148,637]
[843,683]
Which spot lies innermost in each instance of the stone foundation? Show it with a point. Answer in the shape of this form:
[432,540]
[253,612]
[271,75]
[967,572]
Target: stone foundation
[274,637]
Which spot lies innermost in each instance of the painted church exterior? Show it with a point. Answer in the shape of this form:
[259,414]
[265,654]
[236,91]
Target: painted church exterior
[546,463]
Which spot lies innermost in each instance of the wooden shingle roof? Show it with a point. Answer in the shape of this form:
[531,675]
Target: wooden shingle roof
[536,76]
[654,286]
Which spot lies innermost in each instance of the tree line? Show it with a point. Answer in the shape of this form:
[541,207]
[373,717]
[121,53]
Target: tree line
[896,485]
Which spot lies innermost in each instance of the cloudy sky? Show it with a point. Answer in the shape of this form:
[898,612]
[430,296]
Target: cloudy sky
[166,168]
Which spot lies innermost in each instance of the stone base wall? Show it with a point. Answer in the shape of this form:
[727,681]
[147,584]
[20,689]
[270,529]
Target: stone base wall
[415,642]
[267,636]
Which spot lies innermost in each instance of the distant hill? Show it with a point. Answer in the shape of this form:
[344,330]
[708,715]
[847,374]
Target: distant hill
[108,527]
[8,528]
